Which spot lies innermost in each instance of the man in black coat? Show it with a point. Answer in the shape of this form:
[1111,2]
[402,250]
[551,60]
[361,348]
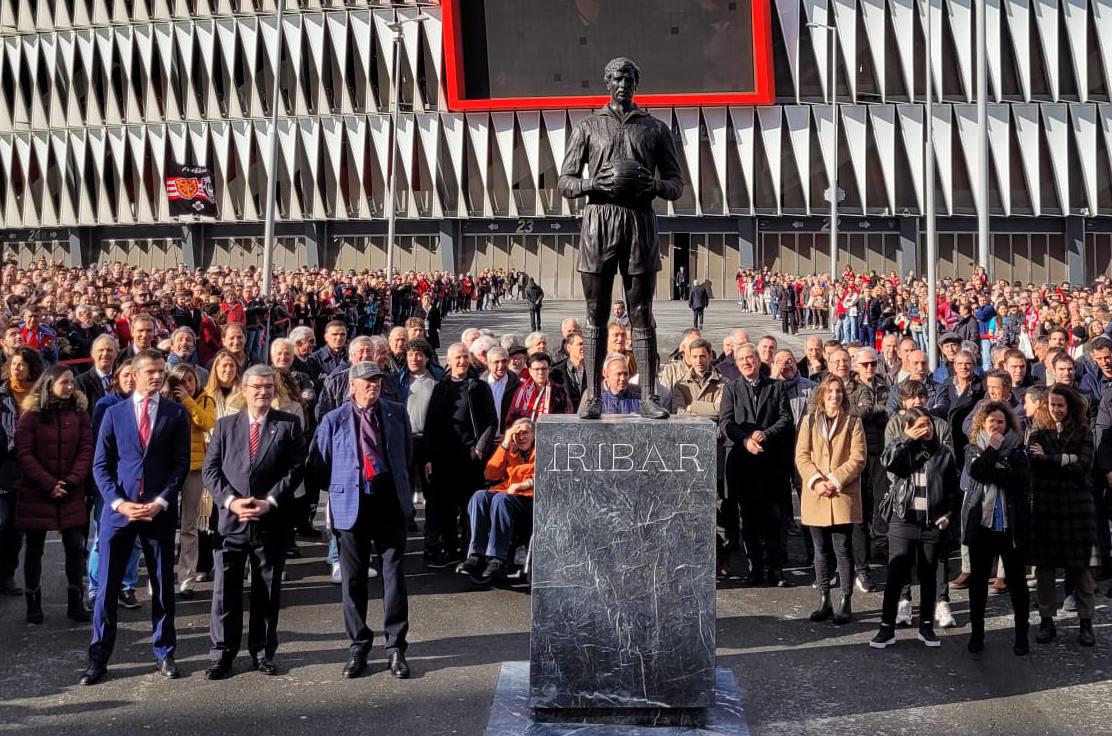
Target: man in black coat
[571,372]
[756,419]
[96,381]
[535,296]
[461,425]
[253,465]
[698,300]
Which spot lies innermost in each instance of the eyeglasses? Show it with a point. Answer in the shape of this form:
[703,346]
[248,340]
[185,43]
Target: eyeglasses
[866,363]
[259,386]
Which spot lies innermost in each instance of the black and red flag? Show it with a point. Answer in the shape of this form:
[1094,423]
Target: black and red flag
[190,190]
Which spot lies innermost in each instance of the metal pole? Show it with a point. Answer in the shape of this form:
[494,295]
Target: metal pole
[928,185]
[982,134]
[834,174]
[272,155]
[391,214]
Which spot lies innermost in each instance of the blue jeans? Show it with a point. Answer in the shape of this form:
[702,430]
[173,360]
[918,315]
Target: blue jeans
[986,355]
[131,573]
[493,516]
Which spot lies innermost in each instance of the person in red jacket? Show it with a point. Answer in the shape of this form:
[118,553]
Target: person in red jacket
[54,449]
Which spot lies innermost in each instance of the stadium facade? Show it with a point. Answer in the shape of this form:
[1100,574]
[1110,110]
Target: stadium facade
[99,97]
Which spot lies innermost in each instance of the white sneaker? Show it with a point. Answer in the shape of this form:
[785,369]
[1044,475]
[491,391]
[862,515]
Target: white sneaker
[943,617]
[371,572]
[337,578]
[903,613]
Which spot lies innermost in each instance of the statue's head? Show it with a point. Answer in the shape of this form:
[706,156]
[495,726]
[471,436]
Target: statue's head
[621,76]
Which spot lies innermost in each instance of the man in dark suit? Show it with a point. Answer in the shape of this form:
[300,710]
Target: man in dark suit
[142,458]
[502,381]
[698,300]
[361,454]
[95,382]
[571,372]
[253,465]
[756,420]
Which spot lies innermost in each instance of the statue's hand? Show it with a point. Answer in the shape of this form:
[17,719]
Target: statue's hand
[604,179]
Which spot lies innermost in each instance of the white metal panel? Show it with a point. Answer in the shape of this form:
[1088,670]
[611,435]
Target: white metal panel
[943,132]
[799,132]
[714,118]
[503,123]
[453,124]
[1018,17]
[914,143]
[770,120]
[787,11]
[1026,121]
[961,23]
[688,119]
[529,123]
[1084,119]
[853,122]
[969,134]
[873,13]
[478,129]
[1077,33]
[992,48]
[999,145]
[1046,20]
[883,119]
[1055,124]
[1102,18]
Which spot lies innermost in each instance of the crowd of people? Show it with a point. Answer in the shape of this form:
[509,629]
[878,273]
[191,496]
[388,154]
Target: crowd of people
[180,417]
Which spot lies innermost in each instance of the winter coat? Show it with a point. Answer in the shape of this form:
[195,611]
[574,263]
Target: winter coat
[1063,516]
[903,458]
[1008,471]
[869,401]
[839,460]
[52,444]
[9,417]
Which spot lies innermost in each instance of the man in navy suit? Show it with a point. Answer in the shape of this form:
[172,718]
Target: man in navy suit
[361,453]
[254,463]
[141,461]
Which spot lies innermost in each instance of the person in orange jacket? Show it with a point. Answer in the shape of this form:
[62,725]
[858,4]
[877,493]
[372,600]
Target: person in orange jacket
[496,512]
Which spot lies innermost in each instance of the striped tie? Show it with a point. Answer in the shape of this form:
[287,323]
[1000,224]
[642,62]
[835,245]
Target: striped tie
[255,437]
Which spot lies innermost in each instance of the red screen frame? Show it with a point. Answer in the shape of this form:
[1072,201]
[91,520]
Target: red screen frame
[763,94]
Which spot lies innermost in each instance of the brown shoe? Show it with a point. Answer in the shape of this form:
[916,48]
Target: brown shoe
[961,582]
[998,587]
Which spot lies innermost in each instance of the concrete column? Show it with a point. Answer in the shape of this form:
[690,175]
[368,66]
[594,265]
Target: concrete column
[451,241]
[747,241]
[316,244]
[78,246]
[192,240]
[1076,262]
[908,257]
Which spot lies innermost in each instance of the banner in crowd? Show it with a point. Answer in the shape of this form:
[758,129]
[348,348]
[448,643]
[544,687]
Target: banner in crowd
[190,190]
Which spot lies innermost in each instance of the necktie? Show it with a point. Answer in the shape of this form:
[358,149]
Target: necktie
[106,381]
[255,437]
[145,421]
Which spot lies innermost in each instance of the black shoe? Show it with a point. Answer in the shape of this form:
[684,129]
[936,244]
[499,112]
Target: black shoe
[219,669]
[168,668]
[128,600]
[755,578]
[34,607]
[843,614]
[865,583]
[928,637]
[651,408]
[1021,646]
[93,673]
[9,587]
[824,611]
[441,559]
[265,665]
[1047,630]
[356,666]
[976,644]
[472,565]
[399,668]
[777,580]
[884,638]
[1086,638]
[75,605]
[591,408]
[495,568]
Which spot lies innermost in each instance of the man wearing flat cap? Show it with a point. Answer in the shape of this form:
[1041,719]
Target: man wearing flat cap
[360,454]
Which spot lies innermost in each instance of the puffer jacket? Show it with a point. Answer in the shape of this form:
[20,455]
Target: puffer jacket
[905,457]
[52,444]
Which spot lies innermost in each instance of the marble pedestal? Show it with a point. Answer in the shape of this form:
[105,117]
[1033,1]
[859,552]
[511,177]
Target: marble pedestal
[623,570]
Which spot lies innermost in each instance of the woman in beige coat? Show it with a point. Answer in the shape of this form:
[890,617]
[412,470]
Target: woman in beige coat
[830,455]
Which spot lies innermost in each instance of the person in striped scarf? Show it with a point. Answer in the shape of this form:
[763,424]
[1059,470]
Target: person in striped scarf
[537,395]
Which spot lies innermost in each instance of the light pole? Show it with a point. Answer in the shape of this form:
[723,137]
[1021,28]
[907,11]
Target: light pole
[272,156]
[982,134]
[395,105]
[928,196]
[833,194]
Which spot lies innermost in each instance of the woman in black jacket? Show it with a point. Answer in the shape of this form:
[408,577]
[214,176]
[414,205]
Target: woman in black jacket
[923,499]
[1064,521]
[994,516]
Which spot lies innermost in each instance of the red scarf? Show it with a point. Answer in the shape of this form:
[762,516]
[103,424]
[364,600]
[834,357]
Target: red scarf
[531,401]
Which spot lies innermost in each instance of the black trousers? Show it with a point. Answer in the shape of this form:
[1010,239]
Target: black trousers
[830,542]
[382,524]
[266,553]
[535,316]
[446,499]
[11,539]
[697,317]
[789,320]
[911,544]
[984,546]
[862,533]
[760,528]
[73,542]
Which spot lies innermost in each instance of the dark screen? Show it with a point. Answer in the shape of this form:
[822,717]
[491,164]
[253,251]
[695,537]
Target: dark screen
[558,48]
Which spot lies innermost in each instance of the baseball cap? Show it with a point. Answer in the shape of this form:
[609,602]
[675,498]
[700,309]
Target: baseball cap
[365,370]
[948,337]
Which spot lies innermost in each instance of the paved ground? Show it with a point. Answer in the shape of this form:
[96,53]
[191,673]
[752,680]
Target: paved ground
[798,677]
